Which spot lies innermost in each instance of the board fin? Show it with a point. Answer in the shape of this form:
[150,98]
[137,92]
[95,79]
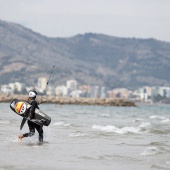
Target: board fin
[24,120]
[22,123]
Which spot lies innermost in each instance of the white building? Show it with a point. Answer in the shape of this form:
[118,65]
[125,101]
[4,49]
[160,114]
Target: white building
[61,91]
[168,92]
[12,86]
[144,93]
[94,91]
[76,93]
[42,83]
[121,92]
[50,91]
[6,89]
[71,84]
[102,92]
[19,86]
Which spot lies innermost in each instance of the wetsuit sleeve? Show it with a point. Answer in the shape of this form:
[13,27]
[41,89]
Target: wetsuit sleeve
[28,134]
[33,107]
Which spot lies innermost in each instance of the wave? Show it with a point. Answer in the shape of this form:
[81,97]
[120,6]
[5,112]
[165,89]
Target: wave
[124,130]
[162,118]
[150,151]
[62,124]
[89,157]
[157,117]
[159,131]
[159,167]
[153,150]
[114,129]
[138,120]
[105,115]
[158,144]
[77,134]
[104,157]
[144,125]
[165,120]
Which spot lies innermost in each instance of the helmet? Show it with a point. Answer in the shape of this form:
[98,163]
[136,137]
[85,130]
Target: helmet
[32,94]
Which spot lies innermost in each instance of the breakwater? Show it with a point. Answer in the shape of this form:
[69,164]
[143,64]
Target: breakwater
[69,100]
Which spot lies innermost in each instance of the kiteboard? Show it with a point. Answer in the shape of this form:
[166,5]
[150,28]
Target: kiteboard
[22,108]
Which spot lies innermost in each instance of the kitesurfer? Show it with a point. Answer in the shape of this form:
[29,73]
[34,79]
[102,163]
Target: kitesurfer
[32,126]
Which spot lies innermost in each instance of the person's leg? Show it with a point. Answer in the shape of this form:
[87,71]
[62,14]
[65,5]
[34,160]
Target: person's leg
[40,131]
[31,128]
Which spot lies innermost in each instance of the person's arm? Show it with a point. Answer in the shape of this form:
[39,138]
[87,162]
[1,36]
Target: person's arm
[33,107]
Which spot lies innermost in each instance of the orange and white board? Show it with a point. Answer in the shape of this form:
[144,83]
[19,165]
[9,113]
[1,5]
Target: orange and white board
[20,107]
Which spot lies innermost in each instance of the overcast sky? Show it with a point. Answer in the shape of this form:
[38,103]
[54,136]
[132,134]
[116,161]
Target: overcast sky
[63,18]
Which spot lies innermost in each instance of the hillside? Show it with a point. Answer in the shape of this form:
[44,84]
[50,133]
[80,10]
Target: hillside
[95,59]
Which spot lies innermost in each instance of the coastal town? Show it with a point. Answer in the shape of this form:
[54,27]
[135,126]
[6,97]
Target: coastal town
[72,89]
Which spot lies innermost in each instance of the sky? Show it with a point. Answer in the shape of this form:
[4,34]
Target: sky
[65,18]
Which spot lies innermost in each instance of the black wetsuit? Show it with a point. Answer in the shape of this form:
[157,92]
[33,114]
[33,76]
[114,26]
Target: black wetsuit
[33,126]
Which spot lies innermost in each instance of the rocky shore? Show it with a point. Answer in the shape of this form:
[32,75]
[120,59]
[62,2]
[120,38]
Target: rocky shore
[68,100]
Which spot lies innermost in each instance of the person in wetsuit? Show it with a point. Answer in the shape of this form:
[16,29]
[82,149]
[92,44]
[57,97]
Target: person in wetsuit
[32,126]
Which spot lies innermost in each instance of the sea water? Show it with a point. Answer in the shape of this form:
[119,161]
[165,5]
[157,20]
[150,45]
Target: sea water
[89,138]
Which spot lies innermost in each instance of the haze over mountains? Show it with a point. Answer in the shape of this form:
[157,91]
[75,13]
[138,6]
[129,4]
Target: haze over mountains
[94,59]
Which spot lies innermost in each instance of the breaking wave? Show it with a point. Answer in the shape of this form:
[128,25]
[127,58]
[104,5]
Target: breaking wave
[114,129]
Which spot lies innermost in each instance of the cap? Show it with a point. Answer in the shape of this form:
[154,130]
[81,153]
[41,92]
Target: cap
[32,94]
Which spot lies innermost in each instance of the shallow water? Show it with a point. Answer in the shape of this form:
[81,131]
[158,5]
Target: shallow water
[89,138]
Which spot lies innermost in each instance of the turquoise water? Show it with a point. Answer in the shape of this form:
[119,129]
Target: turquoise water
[89,138]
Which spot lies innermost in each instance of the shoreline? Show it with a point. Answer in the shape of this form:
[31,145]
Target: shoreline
[4,98]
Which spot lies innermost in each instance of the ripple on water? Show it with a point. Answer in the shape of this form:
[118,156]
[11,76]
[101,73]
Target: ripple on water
[153,150]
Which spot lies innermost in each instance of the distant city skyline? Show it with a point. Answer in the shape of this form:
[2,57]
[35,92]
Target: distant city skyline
[65,18]
[71,88]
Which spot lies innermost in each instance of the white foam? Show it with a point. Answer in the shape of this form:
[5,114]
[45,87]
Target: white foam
[77,134]
[16,140]
[114,129]
[150,151]
[165,120]
[144,124]
[61,124]
[128,130]
[107,128]
[157,117]
[105,115]
[138,120]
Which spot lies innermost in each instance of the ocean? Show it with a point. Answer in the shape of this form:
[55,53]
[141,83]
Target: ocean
[89,138]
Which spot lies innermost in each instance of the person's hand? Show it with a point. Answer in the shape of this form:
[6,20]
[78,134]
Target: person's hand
[20,137]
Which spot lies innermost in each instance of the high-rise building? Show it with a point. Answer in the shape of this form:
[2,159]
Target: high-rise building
[94,92]
[42,82]
[102,92]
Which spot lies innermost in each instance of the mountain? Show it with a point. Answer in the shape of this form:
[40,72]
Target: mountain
[94,59]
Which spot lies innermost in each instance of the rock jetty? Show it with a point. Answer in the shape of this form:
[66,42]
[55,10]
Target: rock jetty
[69,100]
